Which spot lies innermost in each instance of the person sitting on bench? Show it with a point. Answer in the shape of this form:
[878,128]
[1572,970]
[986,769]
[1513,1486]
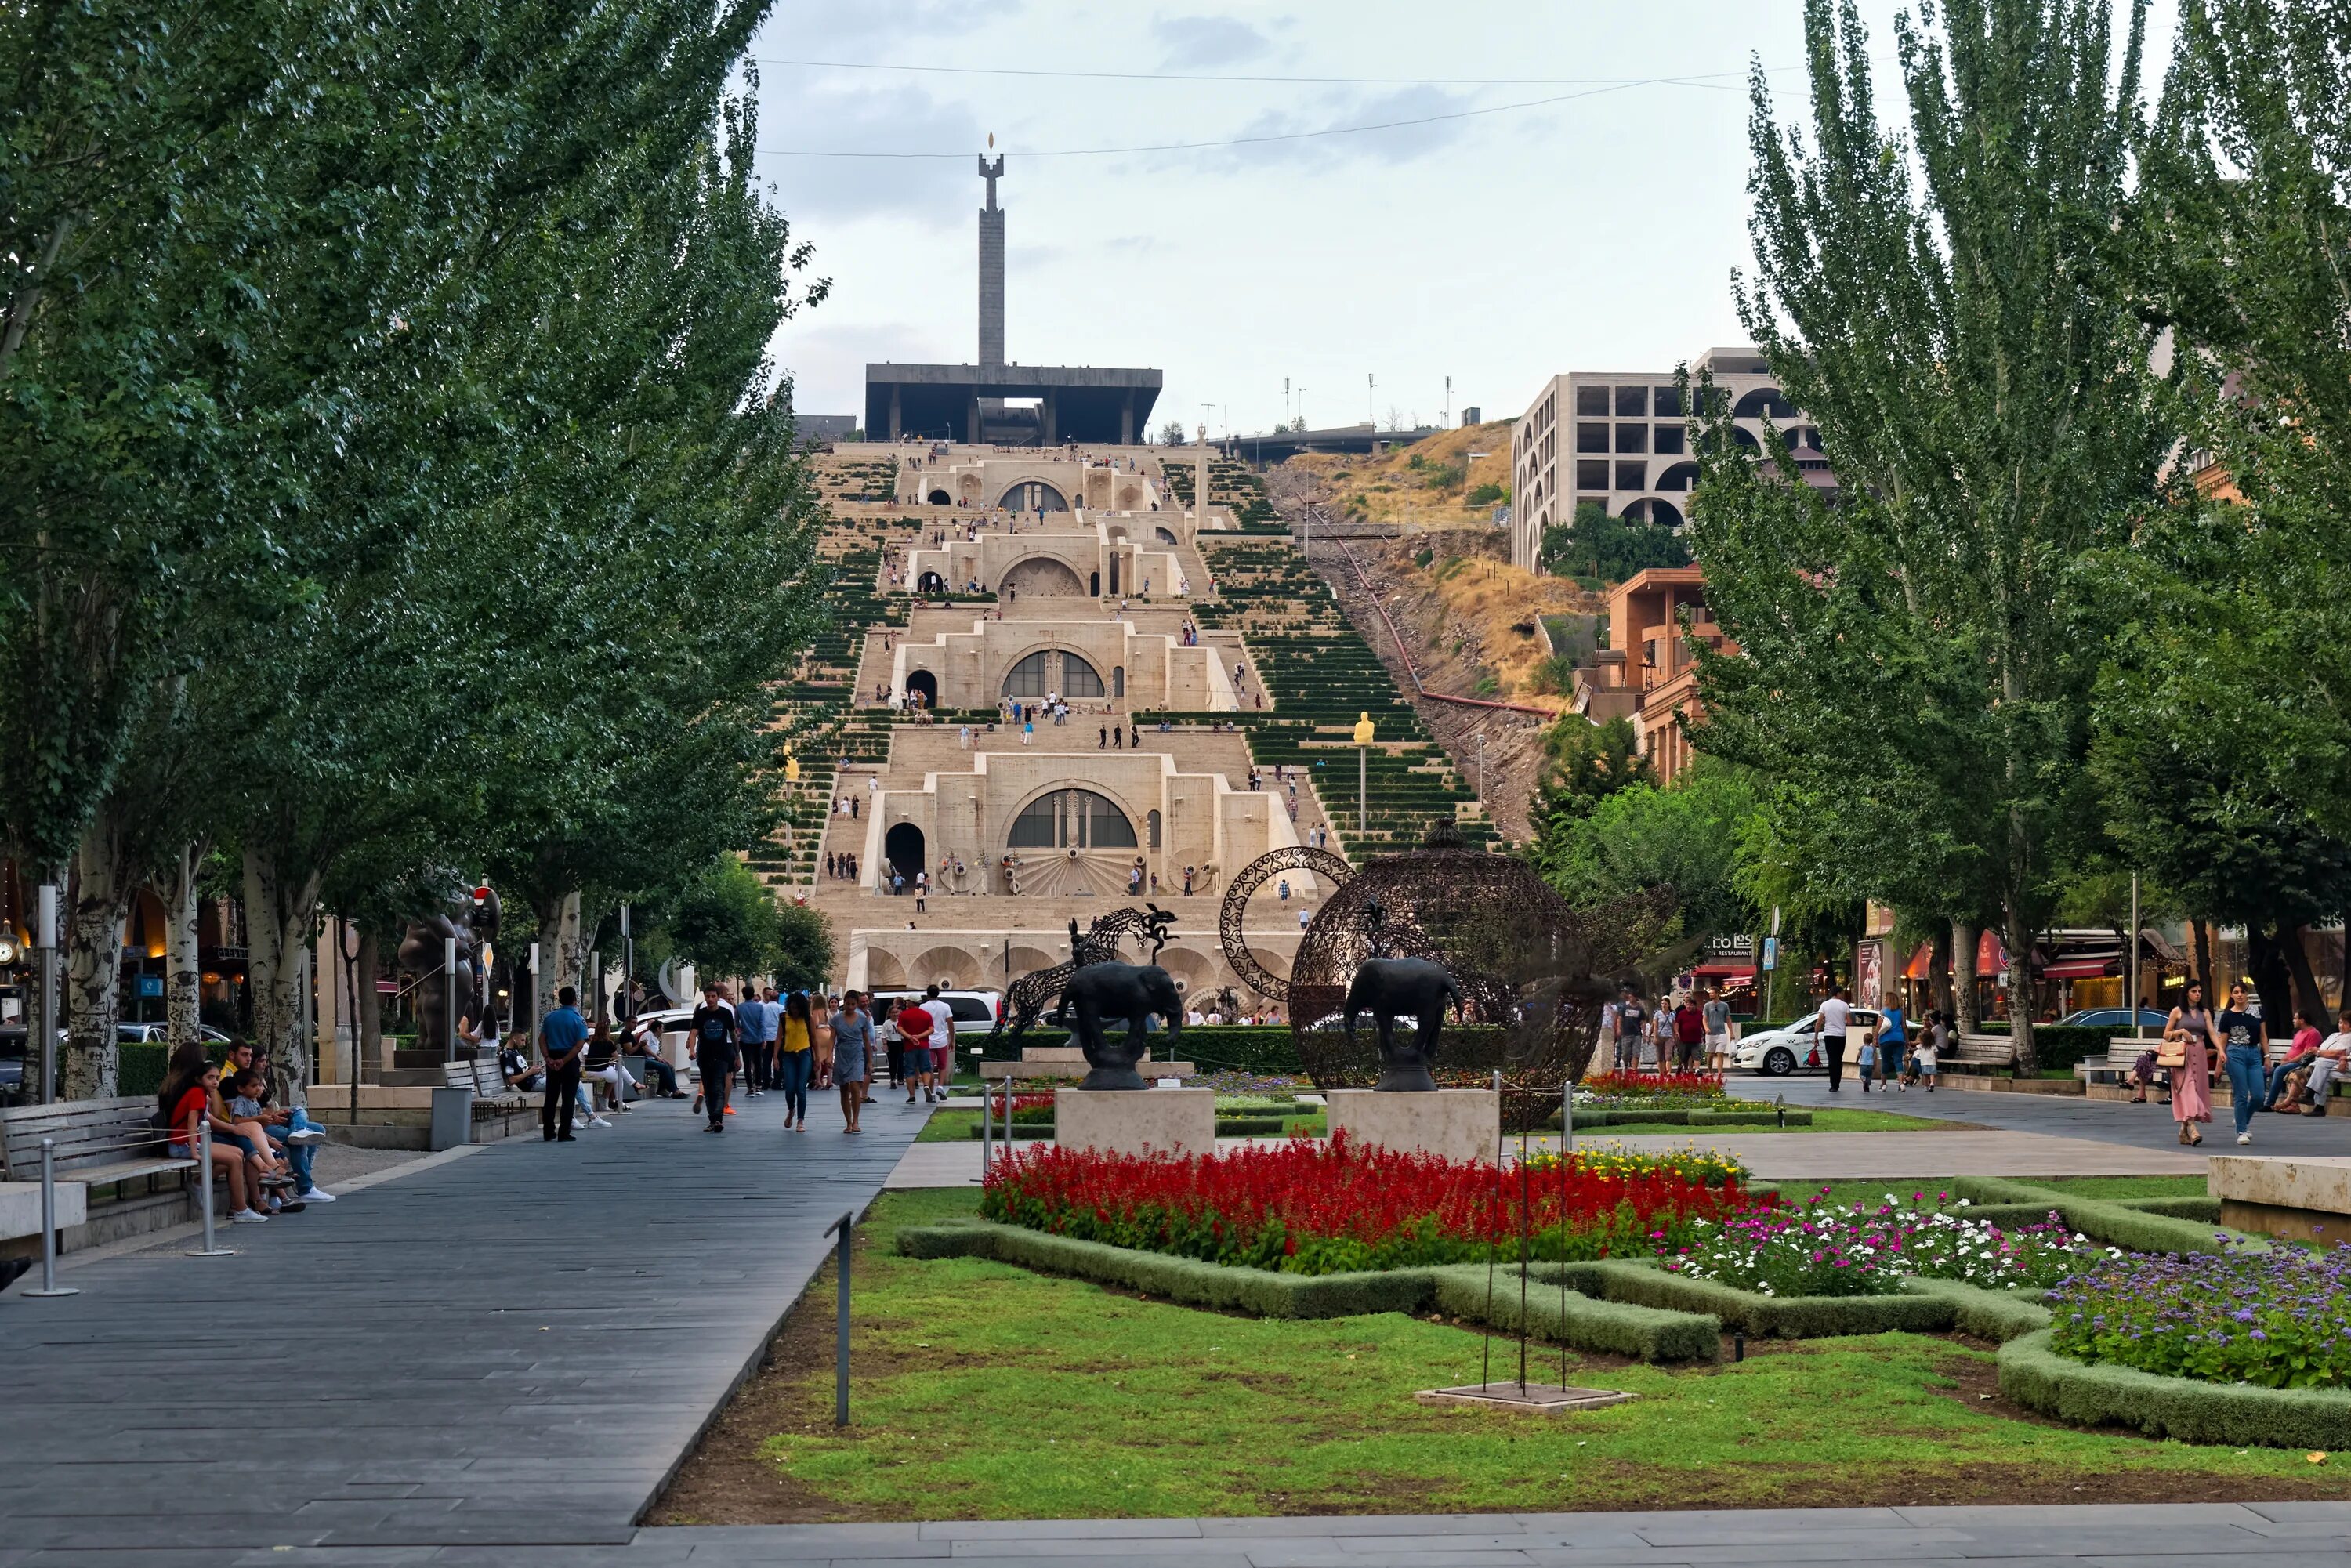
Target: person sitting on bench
[601,1071]
[644,1046]
[189,1090]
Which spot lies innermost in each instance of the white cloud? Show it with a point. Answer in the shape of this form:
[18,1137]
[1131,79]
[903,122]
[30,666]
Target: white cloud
[828,117]
[1193,43]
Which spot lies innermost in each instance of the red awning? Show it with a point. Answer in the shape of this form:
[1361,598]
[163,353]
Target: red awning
[1991,958]
[1726,971]
[1921,964]
[2078,970]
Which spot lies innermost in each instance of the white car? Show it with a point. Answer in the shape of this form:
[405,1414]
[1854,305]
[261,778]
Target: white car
[975,1011]
[156,1033]
[1793,1047]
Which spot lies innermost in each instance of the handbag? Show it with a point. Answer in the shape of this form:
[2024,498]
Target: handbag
[2172,1053]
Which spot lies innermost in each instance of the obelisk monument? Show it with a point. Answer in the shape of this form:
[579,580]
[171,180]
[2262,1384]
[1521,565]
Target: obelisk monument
[991,269]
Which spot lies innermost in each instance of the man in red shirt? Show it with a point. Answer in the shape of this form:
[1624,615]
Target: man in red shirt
[1689,1034]
[915,1026]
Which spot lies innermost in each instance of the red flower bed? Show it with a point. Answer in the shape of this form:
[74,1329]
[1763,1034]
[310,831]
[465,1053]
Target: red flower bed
[1328,1207]
[1655,1085]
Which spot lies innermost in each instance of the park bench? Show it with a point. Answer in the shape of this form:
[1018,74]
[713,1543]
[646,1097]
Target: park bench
[1979,1050]
[100,1142]
[483,1079]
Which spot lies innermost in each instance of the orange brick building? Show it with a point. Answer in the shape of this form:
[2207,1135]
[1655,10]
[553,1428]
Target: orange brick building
[1648,673]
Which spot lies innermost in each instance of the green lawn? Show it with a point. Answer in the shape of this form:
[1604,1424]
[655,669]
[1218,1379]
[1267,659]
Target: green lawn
[985,1391]
[1873,1189]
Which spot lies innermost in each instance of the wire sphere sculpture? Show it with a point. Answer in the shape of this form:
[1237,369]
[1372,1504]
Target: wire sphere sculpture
[1534,972]
[1333,872]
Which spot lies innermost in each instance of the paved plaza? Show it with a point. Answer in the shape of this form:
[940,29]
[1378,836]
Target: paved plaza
[499,1356]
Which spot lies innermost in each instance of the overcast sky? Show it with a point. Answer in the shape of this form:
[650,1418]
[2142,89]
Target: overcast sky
[1597,233]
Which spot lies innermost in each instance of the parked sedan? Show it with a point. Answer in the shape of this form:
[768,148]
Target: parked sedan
[1791,1048]
[157,1033]
[2116,1019]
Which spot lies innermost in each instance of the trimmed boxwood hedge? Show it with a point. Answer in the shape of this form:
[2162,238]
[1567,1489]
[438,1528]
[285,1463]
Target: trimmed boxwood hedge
[2135,1228]
[1996,1315]
[1620,1116]
[1763,1317]
[2237,1414]
[1457,1291]
[1580,1322]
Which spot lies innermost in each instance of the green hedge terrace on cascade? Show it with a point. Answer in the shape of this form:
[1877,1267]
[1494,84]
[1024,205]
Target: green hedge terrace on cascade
[816,707]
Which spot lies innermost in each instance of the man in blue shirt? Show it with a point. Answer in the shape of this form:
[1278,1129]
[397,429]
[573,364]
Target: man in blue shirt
[563,1036]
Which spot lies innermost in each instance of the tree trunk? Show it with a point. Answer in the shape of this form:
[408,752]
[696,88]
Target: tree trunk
[1966,937]
[2273,977]
[1938,973]
[370,1007]
[2308,999]
[281,903]
[562,952]
[2019,992]
[2204,961]
[183,983]
[101,895]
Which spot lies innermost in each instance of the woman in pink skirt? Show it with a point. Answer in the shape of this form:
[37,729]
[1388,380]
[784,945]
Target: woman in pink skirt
[2189,1028]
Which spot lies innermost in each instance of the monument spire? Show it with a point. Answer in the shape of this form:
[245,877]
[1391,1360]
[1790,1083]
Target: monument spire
[991,265]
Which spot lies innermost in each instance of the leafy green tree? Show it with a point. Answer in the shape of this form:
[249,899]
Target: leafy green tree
[1584,764]
[1953,308]
[1684,837]
[804,956]
[1613,550]
[727,923]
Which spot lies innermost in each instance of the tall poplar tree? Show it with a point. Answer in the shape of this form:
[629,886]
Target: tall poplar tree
[1951,308]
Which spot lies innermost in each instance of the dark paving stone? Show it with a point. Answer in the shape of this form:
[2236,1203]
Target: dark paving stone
[494,1352]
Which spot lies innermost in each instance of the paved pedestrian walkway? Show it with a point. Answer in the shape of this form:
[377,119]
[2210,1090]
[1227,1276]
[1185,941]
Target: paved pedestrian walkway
[2277,1535]
[512,1348]
[2147,1126]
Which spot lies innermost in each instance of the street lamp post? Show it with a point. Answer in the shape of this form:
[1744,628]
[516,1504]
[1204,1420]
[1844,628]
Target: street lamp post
[45,938]
[1363,774]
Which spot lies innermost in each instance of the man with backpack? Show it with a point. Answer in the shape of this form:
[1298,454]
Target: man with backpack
[713,1030]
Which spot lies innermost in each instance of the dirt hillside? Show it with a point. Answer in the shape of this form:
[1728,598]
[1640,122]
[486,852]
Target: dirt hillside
[1428,482]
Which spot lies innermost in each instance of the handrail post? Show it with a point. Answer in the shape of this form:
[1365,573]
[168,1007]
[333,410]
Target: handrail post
[204,1190]
[986,1129]
[50,1286]
[841,1348]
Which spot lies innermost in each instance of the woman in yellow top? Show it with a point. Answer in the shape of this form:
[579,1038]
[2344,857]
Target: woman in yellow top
[796,1061]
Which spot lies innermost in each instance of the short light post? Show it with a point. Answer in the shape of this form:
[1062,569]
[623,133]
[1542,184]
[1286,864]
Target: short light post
[1363,774]
[45,938]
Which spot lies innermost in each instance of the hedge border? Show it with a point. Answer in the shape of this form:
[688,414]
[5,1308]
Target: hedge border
[1680,1116]
[1457,1289]
[2115,1223]
[1759,1316]
[2238,1414]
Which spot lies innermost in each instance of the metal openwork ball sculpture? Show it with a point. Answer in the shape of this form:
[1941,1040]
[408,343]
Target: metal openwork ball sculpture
[1531,973]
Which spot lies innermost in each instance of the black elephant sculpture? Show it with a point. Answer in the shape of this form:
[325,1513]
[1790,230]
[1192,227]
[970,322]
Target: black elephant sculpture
[1115,990]
[1387,986]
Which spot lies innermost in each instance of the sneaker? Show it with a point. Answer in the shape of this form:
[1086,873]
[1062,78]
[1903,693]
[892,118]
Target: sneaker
[247,1217]
[599,1122]
[317,1194]
[306,1135]
[698,1102]
[291,1206]
[2244,1137]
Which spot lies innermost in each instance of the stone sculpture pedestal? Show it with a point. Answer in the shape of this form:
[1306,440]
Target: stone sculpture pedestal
[2304,1196]
[1456,1123]
[1136,1121]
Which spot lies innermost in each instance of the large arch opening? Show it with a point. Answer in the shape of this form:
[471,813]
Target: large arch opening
[1033,495]
[1649,509]
[1051,670]
[901,846]
[1680,476]
[1764,402]
[939,497]
[1072,819]
[884,971]
[1167,536]
[1042,577]
[931,582]
[949,969]
[924,686]
[1130,498]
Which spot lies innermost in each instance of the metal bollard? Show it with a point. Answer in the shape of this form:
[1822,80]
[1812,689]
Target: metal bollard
[205,1191]
[987,1130]
[841,1348]
[50,1286]
[1567,1117]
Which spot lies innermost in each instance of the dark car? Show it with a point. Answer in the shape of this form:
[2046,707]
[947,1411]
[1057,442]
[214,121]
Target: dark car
[2115,1019]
